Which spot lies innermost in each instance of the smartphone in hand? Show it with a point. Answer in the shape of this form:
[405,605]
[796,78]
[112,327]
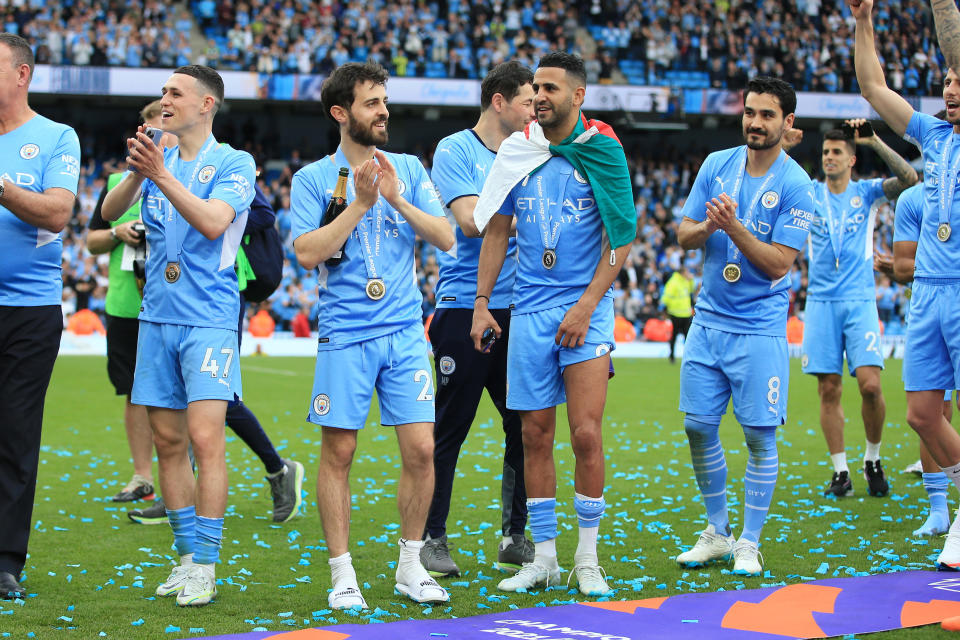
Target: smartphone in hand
[487,340]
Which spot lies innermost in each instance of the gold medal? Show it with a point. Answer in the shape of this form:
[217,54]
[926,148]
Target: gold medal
[731,272]
[172,272]
[943,232]
[549,258]
[376,289]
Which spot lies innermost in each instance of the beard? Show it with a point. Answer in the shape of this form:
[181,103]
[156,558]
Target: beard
[557,114]
[365,136]
[768,142]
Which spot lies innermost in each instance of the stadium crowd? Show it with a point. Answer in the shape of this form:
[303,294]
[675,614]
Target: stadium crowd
[809,43]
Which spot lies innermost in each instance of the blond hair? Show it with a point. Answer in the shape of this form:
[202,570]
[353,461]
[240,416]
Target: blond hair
[150,111]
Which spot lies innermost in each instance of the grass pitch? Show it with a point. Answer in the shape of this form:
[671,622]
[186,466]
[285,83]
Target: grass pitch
[92,572]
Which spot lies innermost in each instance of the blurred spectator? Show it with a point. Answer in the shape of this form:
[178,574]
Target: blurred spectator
[84,323]
[300,325]
[261,325]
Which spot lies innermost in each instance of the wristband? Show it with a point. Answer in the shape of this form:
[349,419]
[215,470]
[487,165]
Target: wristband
[113,234]
[481,296]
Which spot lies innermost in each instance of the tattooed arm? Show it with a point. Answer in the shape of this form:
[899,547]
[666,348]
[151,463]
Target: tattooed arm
[947,19]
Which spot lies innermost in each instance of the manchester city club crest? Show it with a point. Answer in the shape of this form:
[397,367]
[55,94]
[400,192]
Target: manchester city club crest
[602,349]
[855,202]
[805,360]
[29,151]
[402,186]
[770,199]
[321,404]
[579,178]
[206,174]
[447,365]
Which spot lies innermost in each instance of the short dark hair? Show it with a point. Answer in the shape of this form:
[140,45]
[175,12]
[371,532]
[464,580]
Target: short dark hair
[838,134]
[782,91]
[20,48]
[208,78]
[338,88]
[506,79]
[572,64]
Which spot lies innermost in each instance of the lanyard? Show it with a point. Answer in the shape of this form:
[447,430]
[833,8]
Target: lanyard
[549,228]
[171,228]
[733,251]
[948,180]
[836,239]
[370,253]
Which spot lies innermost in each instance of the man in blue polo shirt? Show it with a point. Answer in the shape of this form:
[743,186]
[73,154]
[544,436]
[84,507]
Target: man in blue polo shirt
[461,164]
[750,208]
[841,312]
[195,198]
[369,322]
[931,363]
[39,171]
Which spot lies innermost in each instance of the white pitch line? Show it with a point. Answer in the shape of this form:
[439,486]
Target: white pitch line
[279,372]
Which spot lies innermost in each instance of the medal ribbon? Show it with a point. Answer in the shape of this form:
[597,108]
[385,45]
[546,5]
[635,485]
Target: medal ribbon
[550,229]
[836,239]
[171,228]
[733,251]
[948,180]
[370,253]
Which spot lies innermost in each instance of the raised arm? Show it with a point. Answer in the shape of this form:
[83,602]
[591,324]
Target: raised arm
[947,19]
[906,176]
[894,110]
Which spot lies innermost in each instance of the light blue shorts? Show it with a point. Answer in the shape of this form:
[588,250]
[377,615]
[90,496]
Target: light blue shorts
[396,365]
[753,370]
[177,365]
[932,357]
[831,328]
[535,363]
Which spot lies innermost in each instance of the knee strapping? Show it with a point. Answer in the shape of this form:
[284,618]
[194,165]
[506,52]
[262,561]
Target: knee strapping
[701,429]
[761,441]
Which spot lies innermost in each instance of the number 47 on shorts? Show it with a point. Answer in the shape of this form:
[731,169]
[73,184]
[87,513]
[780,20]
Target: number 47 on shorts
[211,365]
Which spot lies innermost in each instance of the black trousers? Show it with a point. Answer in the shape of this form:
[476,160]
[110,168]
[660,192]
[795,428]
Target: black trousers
[462,375]
[680,325]
[29,342]
[244,423]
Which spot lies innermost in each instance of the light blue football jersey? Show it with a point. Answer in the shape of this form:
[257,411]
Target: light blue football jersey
[909,214]
[782,214]
[564,200]
[852,216]
[206,293]
[346,315]
[461,163]
[936,259]
[38,155]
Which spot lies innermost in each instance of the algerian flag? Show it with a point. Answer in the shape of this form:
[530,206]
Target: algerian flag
[593,149]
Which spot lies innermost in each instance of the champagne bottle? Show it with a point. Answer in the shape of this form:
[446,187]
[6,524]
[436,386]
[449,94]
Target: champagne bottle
[337,204]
